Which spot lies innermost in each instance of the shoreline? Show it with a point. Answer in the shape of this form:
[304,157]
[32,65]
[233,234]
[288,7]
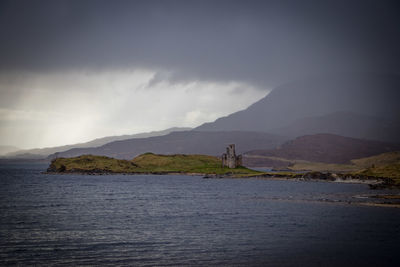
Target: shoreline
[279,177]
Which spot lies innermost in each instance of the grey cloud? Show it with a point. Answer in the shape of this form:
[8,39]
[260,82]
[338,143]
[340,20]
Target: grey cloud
[260,42]
[159,77]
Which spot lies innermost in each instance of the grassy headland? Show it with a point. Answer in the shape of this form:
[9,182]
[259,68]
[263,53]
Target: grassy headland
[148,163]
[384,167]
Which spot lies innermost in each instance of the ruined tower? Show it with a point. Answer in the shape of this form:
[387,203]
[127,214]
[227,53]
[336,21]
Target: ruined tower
[229,159]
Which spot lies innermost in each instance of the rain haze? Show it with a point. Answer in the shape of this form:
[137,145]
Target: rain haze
[199,133]
[72,71]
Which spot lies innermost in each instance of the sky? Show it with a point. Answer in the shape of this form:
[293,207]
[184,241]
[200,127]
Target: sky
[72,71]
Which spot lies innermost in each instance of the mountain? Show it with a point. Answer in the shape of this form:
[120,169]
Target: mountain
[44,152]
[187,142]
[7,149]
[326,148]
[104,140]
[369,96]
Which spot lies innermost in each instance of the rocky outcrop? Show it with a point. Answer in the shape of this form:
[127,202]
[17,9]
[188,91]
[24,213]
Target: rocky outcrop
[54,168]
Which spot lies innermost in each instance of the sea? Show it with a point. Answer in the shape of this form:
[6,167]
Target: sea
[172,220]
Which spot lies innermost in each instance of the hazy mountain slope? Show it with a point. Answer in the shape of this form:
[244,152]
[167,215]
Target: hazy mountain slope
[327,148]
[94,143]
[7,149]
[346,124]
[378,160]
[384,165]
[368,95]
[102,141]
[190,142]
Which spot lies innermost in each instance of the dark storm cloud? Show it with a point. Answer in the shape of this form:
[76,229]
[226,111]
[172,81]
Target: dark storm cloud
[261,42]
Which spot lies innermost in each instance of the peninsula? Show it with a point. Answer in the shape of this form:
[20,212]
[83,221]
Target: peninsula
[229,165]
[148,163]
[203,165]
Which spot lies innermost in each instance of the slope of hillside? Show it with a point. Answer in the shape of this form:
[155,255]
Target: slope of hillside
[345,123]
[44,152]
[369,95]
[7,149]
[386,165]
[378,160]
[327,148]
[190,142]
[391,171]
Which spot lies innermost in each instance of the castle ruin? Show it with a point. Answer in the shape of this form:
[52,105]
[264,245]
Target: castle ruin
[229,159]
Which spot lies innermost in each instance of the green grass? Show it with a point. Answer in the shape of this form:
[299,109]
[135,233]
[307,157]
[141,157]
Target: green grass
[148,163]
[378,160]
[391,171]
[303,165]
[386,165]
[323,167]
[87,163]
[186,164]
[380,164]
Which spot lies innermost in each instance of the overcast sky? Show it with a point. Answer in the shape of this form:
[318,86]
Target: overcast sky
[72,71]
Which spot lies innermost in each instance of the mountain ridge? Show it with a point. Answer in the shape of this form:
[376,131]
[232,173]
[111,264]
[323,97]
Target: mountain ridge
[369,96]
[44,152]
[5,149]
[326,148]
[186,142]
[344,123]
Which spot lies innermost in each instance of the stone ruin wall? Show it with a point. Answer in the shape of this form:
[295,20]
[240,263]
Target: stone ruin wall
[229,159]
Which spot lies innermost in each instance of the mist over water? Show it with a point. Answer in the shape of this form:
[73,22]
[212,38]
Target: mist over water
[183,220]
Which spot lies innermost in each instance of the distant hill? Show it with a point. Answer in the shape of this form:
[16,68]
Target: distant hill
[378,160]
[328,103]
[345,123]
[326,148]
[44,152]
[188,142]
[383,165]
[7,149]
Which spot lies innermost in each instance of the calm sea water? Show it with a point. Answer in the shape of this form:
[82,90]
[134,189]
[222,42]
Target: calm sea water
[124,220]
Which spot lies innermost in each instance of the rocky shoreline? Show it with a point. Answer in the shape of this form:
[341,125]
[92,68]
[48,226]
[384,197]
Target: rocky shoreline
[373,182]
